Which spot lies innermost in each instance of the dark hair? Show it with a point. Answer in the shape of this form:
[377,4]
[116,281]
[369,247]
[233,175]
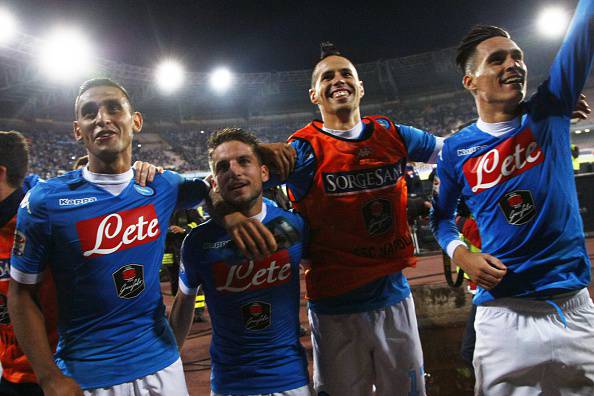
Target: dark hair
[326,49]
[100,82]
[14,155]
[233,134]
[467,47]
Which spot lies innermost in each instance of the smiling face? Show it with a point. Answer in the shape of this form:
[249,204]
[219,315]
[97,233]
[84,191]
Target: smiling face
[238,174]
[499,75]
[336,86]
[105,124]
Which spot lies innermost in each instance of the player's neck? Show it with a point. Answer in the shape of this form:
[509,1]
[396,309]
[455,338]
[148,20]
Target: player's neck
[121,164]
[497,112]
[254,209]
[341,121]
[5,191]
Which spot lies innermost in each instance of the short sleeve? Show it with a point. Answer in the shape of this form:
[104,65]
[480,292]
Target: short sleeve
[32,239]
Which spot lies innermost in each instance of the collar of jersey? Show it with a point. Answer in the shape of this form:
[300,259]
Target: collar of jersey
[260,216]
[365,133]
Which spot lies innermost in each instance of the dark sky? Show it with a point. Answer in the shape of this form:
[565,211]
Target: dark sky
[252,36]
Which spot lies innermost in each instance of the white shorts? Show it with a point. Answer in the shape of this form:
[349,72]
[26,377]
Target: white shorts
[523,347]
[169,381]
[302,391]
[354,352]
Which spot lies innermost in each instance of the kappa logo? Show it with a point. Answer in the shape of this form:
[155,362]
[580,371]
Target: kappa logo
[25,202]
[129,280]
[256,315]
[76,201]
[118,231]
[468,151]
[364,152]
[509,159]
[251,275]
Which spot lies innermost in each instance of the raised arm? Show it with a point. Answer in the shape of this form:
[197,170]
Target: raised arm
[573,62]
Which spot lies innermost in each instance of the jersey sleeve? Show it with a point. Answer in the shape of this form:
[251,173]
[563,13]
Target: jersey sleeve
[573,62]
[421,146]
[32,239]
[443,213]
[188,276]
[191,191]
[300,180]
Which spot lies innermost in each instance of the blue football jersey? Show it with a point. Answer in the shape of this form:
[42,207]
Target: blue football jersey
[520,186]
[105,253]
[253,306]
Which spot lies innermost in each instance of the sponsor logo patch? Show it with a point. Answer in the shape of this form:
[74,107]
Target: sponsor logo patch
[18,248]
[146,191]
[256,315]
[4,269]
[361,180]
[4,318]
[518,207]
[378,216]
[118,231]
[76,201]
[250,275]
[509,159]
[129,280]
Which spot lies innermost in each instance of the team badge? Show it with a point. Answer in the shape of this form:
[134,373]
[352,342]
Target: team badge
[4,318]
[378,216]
[518,207]
[129,280]
[383,122]
[146,191]
[4,269]
[256,315]
[18,248]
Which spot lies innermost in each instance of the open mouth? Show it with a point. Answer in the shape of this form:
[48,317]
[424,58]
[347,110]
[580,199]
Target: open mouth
[516,79]
[238,185]
[104,135]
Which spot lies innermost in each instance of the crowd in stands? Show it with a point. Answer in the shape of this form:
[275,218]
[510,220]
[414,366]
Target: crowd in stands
[182,147]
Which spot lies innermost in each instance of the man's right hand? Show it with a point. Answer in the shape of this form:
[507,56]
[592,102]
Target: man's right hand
[487,271]
[251,237]
[61,385]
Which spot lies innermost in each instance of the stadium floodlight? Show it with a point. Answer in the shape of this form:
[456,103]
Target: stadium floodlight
[66,55]
[221,79]
[8,26]
[169,76]
[552,22]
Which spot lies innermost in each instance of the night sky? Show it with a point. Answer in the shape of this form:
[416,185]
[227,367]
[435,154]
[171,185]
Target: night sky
[257,36]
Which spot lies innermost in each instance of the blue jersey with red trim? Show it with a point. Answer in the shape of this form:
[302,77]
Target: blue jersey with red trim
[253,306]
[520,186]
[104,252]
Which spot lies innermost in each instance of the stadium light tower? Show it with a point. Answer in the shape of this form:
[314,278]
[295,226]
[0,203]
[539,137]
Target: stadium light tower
[66,55]
[552,22]
[8,26]
[169,76]
[221,79]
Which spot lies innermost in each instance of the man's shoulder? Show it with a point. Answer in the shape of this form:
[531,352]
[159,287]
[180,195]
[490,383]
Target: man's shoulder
[208,230]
